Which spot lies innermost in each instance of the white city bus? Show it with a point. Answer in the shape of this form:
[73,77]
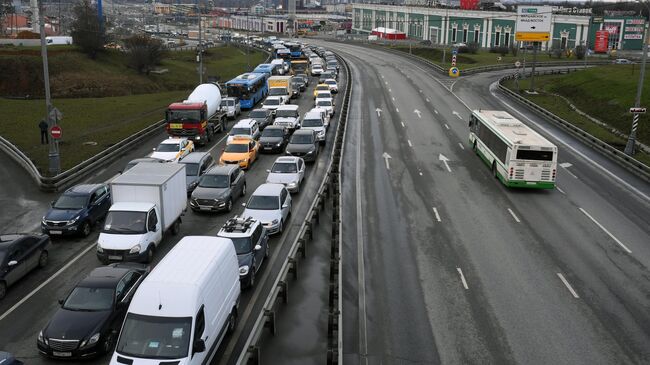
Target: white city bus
[517,155]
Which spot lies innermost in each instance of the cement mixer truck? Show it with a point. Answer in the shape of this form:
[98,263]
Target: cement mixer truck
[199,117]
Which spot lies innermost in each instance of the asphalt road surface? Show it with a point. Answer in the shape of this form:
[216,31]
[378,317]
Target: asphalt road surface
[446,265]
[30,303]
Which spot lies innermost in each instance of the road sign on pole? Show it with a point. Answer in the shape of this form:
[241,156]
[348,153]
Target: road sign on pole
[533,23]
[55,132]
[454,72]
[638,110]
[56,114]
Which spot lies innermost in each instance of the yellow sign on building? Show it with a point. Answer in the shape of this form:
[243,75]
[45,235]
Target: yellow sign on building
[532,36]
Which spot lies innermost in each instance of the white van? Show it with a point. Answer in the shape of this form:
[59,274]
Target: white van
[54,40]
[184,308]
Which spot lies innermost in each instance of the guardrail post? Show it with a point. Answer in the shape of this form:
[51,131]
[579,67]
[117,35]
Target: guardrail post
[309,229]
[284,291]
[302,247]
[293,267]
[270,321]
[254,357]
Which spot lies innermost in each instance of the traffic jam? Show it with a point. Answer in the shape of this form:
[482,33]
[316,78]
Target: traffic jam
[128,307]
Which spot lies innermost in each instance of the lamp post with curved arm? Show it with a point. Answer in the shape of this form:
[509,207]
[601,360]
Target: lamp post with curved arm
[631,141]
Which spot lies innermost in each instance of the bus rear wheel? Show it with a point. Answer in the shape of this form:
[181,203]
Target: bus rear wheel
[494,170]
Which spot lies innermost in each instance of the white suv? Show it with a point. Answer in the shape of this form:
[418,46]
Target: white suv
[245,127]
[287,116]
[315,121]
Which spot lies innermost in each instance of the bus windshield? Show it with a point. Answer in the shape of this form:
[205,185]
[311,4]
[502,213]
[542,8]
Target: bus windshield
[237,90]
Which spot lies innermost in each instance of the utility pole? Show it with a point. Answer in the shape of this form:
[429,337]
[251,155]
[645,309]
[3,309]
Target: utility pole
[200,48]
[631,141]
[532,74]
[53,154]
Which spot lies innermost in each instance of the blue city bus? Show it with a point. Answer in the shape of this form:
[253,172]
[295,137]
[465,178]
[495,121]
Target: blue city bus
[295,49]
[250,88]
[266,68]
[283,53]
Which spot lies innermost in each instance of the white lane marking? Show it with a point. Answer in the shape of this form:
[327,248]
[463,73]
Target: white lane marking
[567,145]
[568,286]
[56,274]
[461,146]
[397,110]
[217,144]
[390,90]
[606,231]
[420,91]
[361,273]
[386,82]
[392,97]
[435,211]
[446,126]
[560,190]
[420,173]
[428,100]
[403,126]
[457,114]
[462,278]
[409,141]
[435,111]
[514,215]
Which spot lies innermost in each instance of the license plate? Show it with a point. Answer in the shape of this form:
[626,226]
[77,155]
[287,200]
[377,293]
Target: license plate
[56,232]
[111,257]
[176,125]
[62,354]
[268,148]
[205,208]
[530,183]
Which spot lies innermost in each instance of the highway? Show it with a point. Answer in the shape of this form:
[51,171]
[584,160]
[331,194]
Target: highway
[446,265]
[32,301]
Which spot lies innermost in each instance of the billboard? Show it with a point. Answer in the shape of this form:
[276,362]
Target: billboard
[469,4]
[602,39]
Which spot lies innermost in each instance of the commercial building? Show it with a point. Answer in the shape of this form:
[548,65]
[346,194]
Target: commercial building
[495,28]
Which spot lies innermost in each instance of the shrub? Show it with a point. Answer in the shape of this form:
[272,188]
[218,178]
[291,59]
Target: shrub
[473,47]
[503,51]
[581,51]
[25,34]
[514,50]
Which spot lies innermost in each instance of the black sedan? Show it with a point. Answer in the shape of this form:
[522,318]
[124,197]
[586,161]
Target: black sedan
[90,318]
[19,255]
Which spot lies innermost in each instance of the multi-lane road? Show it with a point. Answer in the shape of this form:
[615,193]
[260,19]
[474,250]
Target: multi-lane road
[32,301]
[446,265]
[443,264]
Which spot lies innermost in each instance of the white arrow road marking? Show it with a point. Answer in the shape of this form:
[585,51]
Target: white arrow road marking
[386,157]
[428,100]
[435,211]
[378,112]
[445,160]
[409,142]
[419,113]
[446,126]
[568,286]
[397,110]
[457,114]
[435,111]
[461,146]
[566,165]
[462,278]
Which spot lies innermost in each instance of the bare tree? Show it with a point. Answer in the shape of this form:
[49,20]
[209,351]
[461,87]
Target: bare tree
[87,31]
[144,52]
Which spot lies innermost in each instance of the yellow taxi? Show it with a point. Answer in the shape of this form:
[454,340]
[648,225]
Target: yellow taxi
[321,87]
[242,150]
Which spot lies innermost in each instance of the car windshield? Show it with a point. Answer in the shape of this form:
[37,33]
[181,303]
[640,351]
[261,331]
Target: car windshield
[227,103]
[191,169]
[89,299]
[322,87]
[237,147]
[284,168]
[272,102]
[302,139]
[70,202]
[330,82]
[242,245]
[312,123]
[155,337]
[272,132]
[240,131]
[214,181]
[124,222]
[257,114]
[263,202]
[324,103]
[286,113]
[168,147]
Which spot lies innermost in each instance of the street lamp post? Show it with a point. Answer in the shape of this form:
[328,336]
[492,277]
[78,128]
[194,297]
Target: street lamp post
[631,141]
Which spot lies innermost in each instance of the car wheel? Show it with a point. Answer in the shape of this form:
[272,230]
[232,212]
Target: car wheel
[42,259]
[150,252]
[3,289]
[85,229]
[494,170]
[281,229]
[251,280]
[267,251]
[233,321]
[474,146]
[243,190]
[229,205]
[176,227]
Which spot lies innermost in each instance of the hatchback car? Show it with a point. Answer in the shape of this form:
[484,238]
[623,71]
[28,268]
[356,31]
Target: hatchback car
[263,117]
[271,205]
[272,103]
[326,75]
[304,77]
[288,171]
[218,189]
[274,139]
[251,244]
[303,143]
[19,255]
[242,151]
[77,210]
[173,149]
[90,317]
[334,87]
[196,164]
[321,87]
[325,103]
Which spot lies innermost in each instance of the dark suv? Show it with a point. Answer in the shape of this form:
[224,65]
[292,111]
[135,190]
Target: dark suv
[251,243]
[77,210]
[90,317]
[19,255]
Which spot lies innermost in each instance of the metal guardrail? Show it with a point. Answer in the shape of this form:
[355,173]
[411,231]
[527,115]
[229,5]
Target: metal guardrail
[81,170]
[330,186]
[633,165]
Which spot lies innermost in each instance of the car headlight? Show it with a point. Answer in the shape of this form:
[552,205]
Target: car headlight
[135,249]
[278,144]
[99,248]
[292,184]
[43,219]
[310,152]
[74,220]
[243,270]
[42,338]
[321,133]
[198,137]
[91,341]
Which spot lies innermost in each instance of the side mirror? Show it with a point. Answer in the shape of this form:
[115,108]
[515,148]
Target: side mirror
[258,247]
[152,228]
[243,205]
[285,206]
[52,203]
[61,301]
[12,263]
[153,149]
[268,170]
[199,346]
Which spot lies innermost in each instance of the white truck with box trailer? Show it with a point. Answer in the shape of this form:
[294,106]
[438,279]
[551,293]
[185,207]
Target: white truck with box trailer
[280,86]
[148,200]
